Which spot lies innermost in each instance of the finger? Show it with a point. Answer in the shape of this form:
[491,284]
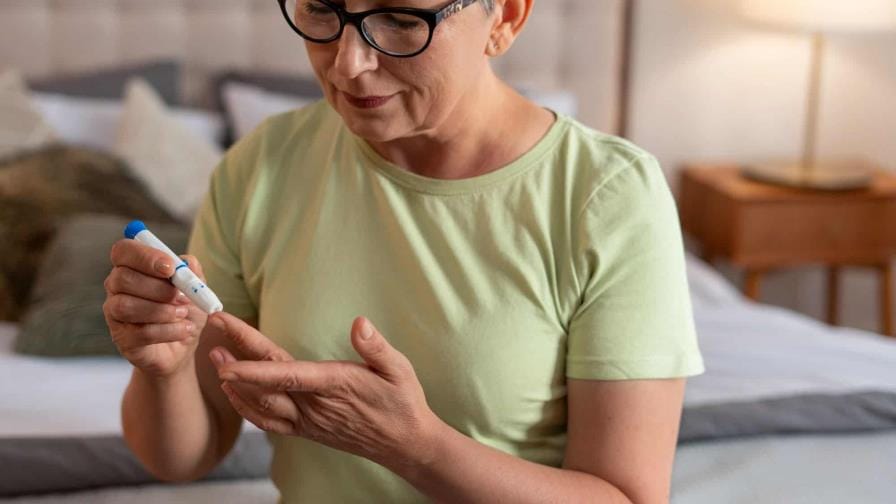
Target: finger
[295,376]
[142,258]
[267,402]
[131,336]
[251,343]
[134,310]
[194,265]
[377,352]
[124,280]
[264,422]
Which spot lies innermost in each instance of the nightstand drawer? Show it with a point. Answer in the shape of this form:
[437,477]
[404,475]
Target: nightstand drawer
[762,226]
[782,233]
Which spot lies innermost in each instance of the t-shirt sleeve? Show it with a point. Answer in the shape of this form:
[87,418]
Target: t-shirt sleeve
[215,236]
[634,319]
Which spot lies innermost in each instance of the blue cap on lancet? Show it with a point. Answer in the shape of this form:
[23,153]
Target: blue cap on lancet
[133,228]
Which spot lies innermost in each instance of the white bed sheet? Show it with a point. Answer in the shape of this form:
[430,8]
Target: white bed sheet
[59,396]
[812,469]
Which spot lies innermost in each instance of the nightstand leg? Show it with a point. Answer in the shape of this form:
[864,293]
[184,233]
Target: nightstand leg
[833,294]
[751,284]
[886,299]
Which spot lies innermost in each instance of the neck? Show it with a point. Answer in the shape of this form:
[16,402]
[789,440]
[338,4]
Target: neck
[469,142]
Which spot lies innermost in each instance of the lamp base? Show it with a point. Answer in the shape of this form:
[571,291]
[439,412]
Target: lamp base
[825,176]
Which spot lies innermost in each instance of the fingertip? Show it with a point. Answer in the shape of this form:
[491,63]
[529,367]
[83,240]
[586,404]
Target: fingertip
[216,321]
[216,356]
[228,357]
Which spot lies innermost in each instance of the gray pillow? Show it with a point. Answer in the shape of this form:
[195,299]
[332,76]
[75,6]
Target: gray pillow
[64,316]
[164,76]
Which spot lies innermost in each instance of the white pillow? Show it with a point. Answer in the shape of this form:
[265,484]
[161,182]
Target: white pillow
[249,105]
[174,162]
[21,125]
[558,100]
[94,122]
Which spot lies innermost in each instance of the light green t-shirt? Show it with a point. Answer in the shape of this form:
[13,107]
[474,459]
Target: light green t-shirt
[566,263]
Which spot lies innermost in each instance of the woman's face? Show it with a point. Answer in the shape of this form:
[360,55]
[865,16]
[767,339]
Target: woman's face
[422,91]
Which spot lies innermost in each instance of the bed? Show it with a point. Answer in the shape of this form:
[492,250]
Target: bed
[789,410]
[749,351]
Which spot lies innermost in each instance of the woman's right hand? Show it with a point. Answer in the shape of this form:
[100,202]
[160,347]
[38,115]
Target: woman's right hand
[154,326]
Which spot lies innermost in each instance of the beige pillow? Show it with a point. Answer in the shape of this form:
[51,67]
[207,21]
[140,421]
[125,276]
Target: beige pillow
[173,162]
[21,125]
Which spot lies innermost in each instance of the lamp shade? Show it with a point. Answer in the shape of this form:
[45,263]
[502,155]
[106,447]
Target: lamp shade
[823,15]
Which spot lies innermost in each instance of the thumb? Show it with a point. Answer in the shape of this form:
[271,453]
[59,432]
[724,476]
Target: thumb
[372,346]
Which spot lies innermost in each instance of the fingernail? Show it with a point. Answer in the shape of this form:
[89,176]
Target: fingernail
[163,268]
[228,376]
[217,323]
[189,326]
[181,311]
[181,299]
[366,330]
[216,356]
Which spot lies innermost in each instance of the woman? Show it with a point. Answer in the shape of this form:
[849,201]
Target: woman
[525,275]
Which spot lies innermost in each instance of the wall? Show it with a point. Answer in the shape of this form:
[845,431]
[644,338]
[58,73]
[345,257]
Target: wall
[708,85]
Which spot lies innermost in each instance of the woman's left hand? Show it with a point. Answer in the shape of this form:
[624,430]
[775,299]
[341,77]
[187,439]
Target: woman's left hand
[377,411]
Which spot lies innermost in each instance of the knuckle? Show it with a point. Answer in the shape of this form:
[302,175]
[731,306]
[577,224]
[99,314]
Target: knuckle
[266,425]
[289,382]
[116,252]
[265,403]
[271,355]
[114,307]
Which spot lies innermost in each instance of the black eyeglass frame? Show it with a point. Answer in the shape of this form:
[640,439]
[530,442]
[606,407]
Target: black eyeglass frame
[432,17]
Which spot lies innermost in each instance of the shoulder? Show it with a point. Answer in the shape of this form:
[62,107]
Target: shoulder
[605,169]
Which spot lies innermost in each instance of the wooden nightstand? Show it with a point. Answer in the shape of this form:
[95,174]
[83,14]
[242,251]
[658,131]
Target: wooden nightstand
[760,227]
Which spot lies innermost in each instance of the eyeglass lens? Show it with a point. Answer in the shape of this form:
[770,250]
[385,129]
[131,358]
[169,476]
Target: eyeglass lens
[392,32]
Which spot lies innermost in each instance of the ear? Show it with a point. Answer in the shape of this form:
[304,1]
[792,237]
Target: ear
[509,18]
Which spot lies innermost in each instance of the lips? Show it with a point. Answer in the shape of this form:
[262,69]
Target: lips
[366,102]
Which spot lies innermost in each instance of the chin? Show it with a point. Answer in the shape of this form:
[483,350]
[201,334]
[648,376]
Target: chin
[370,129]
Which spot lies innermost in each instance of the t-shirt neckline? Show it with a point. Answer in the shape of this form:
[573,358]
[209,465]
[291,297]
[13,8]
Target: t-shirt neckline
[432,185]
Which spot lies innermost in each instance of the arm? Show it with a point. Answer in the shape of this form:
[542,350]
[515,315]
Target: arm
[181,426]
[618,432]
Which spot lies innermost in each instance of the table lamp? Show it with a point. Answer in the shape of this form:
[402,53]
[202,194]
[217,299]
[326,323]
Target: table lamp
[818,17]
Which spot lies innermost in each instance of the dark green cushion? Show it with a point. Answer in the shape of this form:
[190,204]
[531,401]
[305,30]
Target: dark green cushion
[64,315]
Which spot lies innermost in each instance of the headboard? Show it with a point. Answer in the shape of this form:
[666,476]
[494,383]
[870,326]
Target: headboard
[568,44]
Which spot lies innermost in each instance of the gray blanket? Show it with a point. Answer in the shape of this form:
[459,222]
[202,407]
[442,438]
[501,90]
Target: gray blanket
[61,464]
[42,465]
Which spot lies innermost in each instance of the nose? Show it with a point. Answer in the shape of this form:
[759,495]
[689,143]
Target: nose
[354,56]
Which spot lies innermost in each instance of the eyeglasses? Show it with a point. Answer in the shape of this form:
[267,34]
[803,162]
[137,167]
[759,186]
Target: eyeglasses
[401,32]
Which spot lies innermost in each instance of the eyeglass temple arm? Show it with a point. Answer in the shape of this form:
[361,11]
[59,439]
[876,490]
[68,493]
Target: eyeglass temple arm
[452,9]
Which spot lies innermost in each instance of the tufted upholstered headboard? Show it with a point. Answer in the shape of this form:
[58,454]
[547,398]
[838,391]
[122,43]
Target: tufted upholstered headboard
[568,44]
